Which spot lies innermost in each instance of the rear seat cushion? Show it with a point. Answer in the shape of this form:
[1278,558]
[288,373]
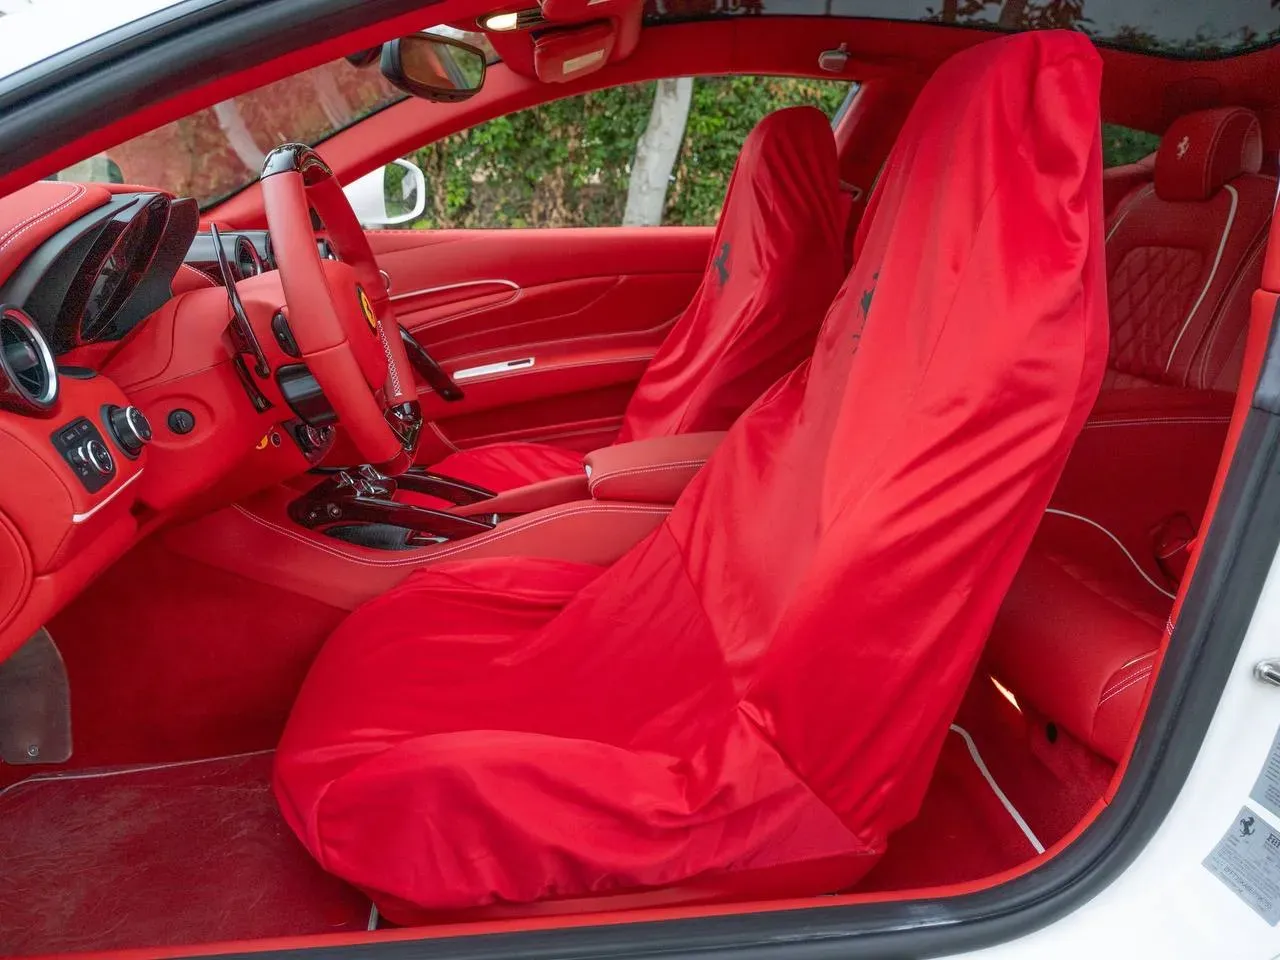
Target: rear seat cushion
[1143,457]
[1079,632]
[1175,247]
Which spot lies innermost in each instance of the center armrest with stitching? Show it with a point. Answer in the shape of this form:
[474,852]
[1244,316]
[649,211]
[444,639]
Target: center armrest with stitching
[649,471]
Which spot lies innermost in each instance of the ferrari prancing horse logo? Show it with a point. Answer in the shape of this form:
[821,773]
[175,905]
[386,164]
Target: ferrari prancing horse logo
[366,307]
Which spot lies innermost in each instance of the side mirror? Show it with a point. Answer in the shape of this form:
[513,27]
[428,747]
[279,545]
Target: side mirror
[396,193]
[433,67]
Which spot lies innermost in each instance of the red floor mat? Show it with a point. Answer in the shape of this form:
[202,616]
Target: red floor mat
[155,856]
[170,659]
[962,833]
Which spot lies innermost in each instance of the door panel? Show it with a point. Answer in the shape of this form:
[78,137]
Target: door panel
[587,306]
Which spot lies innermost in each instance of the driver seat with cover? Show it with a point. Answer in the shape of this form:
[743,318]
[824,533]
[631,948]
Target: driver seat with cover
[753,698]
[776,261]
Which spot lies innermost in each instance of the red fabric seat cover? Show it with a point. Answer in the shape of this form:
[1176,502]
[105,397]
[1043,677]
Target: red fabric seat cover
[776,262]
[753,697]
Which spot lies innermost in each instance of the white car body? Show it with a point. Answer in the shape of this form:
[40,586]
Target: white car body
[1166,904]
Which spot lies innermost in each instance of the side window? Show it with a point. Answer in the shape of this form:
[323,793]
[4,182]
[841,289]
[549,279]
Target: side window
[649,153]
[1121,145]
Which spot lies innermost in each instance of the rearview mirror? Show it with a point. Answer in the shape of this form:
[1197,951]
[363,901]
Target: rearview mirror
[433,67]
[396,193]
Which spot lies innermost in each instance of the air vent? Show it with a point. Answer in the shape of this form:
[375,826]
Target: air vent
[248,263]
[28,375]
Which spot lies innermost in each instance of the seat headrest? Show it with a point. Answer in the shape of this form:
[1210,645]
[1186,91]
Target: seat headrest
[1206,149]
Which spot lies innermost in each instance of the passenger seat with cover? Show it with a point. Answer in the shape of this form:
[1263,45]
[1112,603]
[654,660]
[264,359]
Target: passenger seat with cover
[1078,635]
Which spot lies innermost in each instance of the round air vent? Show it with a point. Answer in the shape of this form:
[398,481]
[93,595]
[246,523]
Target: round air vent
[248,263]
[28,374]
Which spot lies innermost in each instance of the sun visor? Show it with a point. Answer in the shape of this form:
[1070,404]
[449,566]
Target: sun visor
[563,55]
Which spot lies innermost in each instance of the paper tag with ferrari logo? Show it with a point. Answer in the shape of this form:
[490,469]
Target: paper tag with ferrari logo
[366,307]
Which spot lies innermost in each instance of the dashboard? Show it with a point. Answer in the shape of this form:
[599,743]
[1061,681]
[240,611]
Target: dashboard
[99,277]
[125,401]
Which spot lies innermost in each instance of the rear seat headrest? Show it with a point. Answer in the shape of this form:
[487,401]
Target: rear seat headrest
[1201,151]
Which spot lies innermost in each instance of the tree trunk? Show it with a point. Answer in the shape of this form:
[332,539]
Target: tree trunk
[1011,14]
[950,11]
[337,110]
[656,153]
[239,139]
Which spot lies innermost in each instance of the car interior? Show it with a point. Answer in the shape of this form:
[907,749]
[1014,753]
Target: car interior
[367,584]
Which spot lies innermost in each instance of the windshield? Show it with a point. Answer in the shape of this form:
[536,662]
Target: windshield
[216,152]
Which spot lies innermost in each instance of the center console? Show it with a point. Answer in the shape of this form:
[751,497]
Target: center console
[359,506]
[364,507]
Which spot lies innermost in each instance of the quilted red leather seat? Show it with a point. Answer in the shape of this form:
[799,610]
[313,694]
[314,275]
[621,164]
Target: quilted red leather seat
[1078,636]
[776,262]
[752,699]
[1178,247]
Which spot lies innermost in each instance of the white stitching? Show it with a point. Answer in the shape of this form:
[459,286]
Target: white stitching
[1137,659]
[635,471]
[393,371]
[201,274]
[18,230]
[1212,337]
[125,771]
[443,439]
[512,528]
[1115,690]
[1222,245]
[509,284]
[1129,207]
[1138,422]
[1116,540]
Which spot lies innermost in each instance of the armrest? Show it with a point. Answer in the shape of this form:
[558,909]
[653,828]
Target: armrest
[649,471]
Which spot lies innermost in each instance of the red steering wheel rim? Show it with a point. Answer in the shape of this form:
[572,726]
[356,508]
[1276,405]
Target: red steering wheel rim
[339,311]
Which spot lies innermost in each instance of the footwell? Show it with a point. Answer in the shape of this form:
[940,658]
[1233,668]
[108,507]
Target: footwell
[159,855]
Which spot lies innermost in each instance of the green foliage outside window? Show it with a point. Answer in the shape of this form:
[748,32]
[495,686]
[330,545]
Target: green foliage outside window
[567,163]
[1121,145]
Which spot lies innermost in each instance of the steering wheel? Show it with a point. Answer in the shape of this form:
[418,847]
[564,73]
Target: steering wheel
[339,310]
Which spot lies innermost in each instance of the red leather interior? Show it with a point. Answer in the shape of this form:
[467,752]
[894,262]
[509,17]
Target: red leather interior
[649,471]
[54,534]
[1119,182]
[531,497]
[775,262]
[32,215]
[1176,249]
[696,715]
[1079,636]
[256,539]
[1203,151]
[589,305]
[572,52]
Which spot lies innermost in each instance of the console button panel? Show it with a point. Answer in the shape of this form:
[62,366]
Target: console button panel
[80,444]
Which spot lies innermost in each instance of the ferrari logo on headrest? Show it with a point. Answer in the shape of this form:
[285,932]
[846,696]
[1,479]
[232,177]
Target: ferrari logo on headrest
[1183,146]
[366,307]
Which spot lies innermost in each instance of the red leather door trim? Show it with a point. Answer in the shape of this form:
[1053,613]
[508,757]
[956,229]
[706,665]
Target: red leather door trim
[589,305]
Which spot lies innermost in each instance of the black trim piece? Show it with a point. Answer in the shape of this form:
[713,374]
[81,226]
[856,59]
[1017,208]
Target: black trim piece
[183,47]
[1240,546]
[437,377]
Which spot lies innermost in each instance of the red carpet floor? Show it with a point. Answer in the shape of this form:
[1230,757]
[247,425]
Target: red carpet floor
[154,856]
